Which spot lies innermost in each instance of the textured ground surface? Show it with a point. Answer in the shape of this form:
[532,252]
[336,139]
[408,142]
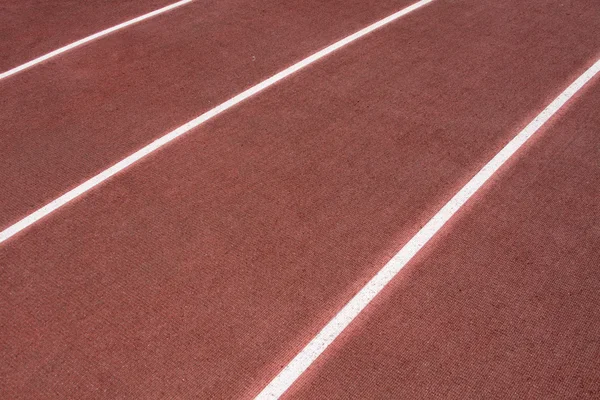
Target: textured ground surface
[200,271]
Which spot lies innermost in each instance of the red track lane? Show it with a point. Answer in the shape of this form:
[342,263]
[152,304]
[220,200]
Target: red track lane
[201,271]
[32,28]
[66,120]
[504,303]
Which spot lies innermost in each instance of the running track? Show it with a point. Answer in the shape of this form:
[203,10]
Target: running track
[203,269]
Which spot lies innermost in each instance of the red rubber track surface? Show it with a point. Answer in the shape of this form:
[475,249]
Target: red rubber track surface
[504,303]
[32,28]
[202,270]
[64,121]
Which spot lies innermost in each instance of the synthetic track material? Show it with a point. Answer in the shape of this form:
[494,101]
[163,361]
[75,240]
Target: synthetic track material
[90,38]
[367,293]
[31,28]
[196,122]
[65,121]
[505,302]
[252,232]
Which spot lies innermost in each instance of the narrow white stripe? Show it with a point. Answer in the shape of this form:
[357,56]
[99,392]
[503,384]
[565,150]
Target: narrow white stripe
[344,317]
[90,38]
[160,142]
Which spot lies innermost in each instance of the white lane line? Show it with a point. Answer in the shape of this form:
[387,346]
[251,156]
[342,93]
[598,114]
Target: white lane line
[346,315]
[160,142]
[90,38]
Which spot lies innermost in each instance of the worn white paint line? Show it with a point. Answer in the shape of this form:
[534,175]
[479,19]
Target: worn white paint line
[160,142]
[90,38]
[292,371]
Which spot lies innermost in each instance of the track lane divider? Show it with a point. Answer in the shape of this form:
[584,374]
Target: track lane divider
[90,38]
[162,141]
[296,367]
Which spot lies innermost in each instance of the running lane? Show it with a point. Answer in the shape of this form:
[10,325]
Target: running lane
[505,303]
[65,120]
[31,28]
[202,270]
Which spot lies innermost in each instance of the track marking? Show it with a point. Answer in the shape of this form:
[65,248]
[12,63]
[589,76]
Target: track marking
[90,38]
[160,142]
[292,371]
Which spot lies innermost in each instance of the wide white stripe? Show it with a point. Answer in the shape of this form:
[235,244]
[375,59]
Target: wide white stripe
[160,142]
[346,315]
[90,38]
